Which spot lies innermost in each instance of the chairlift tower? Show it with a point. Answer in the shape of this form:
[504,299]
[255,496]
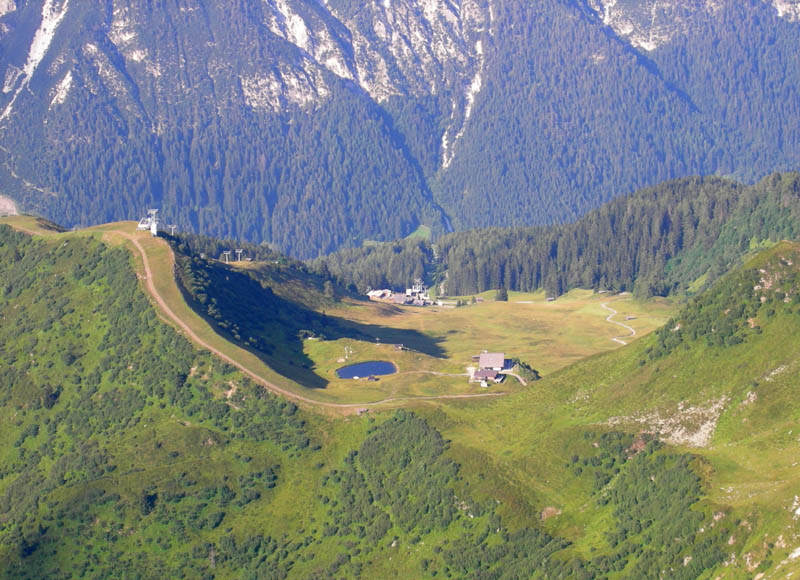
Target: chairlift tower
[227,254]
[239,254]
[172,230]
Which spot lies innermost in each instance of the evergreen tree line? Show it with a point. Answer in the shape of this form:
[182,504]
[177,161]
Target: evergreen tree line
[656,241]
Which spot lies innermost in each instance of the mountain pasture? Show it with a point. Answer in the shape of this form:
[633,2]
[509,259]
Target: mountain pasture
[138,452]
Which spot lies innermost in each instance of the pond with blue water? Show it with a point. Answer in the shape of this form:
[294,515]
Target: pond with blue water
[366,369]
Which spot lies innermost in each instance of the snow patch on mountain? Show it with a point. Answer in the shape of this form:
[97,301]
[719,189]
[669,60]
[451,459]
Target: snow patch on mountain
[472,91]
[788,9]
[123,34]
[108,74]
[12,76]
[62,90]
[649,24]
[53,13]
[388,47]
[419,48]
[415,45]
[289,25]
[313,38]
[7,6]
[122,30]
[299,86]
[262,92]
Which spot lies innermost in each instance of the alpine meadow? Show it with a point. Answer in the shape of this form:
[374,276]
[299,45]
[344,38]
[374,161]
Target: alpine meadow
[458,289]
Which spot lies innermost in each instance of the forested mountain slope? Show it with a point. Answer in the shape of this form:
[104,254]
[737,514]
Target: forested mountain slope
[93,381]
[670,238]
[315,126]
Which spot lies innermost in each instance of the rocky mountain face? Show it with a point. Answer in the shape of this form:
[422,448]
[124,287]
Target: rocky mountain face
[319,124]
[652,24]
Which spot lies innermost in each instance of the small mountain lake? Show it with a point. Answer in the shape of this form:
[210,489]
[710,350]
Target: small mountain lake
[365,369]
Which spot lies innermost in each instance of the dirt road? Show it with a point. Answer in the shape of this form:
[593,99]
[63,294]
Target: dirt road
[342,407]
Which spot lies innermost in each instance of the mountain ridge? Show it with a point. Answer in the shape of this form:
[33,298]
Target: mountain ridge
[316,126]
[674,238]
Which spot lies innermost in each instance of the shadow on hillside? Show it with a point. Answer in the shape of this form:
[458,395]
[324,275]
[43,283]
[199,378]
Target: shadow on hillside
[241,310]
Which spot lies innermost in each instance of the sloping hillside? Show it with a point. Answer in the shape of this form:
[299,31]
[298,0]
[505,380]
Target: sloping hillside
[109,414]
[718,383]
[131,453]
[673,238]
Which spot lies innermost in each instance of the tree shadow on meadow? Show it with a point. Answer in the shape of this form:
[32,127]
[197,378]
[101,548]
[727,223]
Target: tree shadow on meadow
[273,328]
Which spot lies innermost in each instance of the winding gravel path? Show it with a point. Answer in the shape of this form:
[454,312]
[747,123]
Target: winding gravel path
[625,326]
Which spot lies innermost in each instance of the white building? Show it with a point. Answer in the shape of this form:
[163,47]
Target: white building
[150,222]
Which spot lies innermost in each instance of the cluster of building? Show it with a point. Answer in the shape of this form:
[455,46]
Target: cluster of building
[153,223]
[490,368]
[417,295]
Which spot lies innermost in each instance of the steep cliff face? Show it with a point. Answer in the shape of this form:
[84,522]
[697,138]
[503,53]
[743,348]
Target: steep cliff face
[313,125]
[420,49]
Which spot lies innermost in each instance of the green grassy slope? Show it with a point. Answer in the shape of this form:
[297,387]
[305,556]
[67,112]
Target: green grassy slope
[719,383]
[131,454]
[108,414]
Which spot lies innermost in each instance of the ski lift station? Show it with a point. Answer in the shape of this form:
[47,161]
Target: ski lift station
[150,222]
